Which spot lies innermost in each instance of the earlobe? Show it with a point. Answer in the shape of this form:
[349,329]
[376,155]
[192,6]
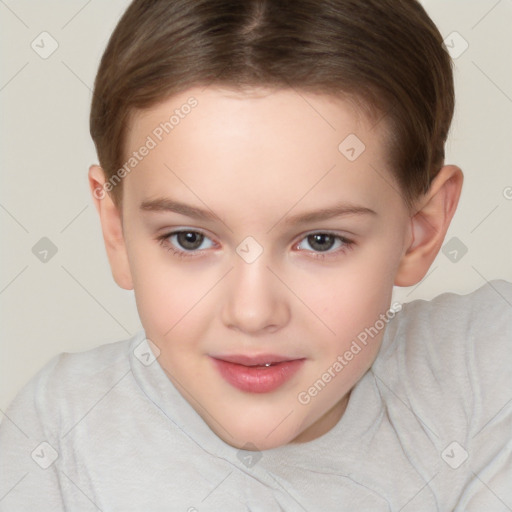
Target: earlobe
[112,228]
[429,225]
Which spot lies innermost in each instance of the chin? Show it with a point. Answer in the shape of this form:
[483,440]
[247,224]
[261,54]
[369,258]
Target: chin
[257,443]
[256,437]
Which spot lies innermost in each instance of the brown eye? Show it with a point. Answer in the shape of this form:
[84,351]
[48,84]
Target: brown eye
[186,243]
[189,240]
[321,241]
[324,245]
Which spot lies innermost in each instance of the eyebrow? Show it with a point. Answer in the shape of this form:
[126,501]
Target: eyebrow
[169,205]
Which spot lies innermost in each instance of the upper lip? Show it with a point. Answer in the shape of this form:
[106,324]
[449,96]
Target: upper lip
[255,360]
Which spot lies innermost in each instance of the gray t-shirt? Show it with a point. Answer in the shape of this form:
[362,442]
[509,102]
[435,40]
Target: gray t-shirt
[427,428]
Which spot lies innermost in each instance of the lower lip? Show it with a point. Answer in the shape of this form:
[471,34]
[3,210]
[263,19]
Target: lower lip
[258,379]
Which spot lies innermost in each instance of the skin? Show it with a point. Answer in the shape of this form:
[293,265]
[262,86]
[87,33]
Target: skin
[255,159]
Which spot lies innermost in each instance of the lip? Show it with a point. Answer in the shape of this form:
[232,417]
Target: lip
[259,359]
[247,373]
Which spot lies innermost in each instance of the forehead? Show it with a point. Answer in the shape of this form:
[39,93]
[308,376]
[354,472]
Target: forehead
[262,109]
[259,142]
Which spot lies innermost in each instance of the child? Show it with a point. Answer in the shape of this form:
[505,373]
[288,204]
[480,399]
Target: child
[235,140]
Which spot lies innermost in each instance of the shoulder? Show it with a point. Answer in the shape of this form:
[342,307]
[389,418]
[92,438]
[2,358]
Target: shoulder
[44,411]
[79,368]
[456,322]
[452,353]
[492,301]
[467,334]
[70,380]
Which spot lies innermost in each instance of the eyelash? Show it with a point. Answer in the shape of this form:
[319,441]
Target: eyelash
[163,240]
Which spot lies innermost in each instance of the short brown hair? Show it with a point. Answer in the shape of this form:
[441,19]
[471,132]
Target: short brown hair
[388,55]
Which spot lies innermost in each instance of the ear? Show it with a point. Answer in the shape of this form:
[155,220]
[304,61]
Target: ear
[434,212]
[112,227]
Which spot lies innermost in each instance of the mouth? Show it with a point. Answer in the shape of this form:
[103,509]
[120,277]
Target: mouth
[259,360]
[257,374]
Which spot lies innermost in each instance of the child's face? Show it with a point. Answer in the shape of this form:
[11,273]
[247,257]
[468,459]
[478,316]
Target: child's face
[256,163]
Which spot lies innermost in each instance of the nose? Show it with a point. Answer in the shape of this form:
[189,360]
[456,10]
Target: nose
[254,300]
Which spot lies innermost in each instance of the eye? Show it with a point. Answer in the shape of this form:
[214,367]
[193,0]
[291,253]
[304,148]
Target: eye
[323,243]
[185,243]
[188,243]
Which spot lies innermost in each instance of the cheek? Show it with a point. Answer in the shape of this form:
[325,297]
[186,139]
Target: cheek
[350,297]
[166,296]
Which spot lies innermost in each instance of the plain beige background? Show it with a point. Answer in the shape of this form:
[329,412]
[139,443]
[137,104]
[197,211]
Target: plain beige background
[70,302]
